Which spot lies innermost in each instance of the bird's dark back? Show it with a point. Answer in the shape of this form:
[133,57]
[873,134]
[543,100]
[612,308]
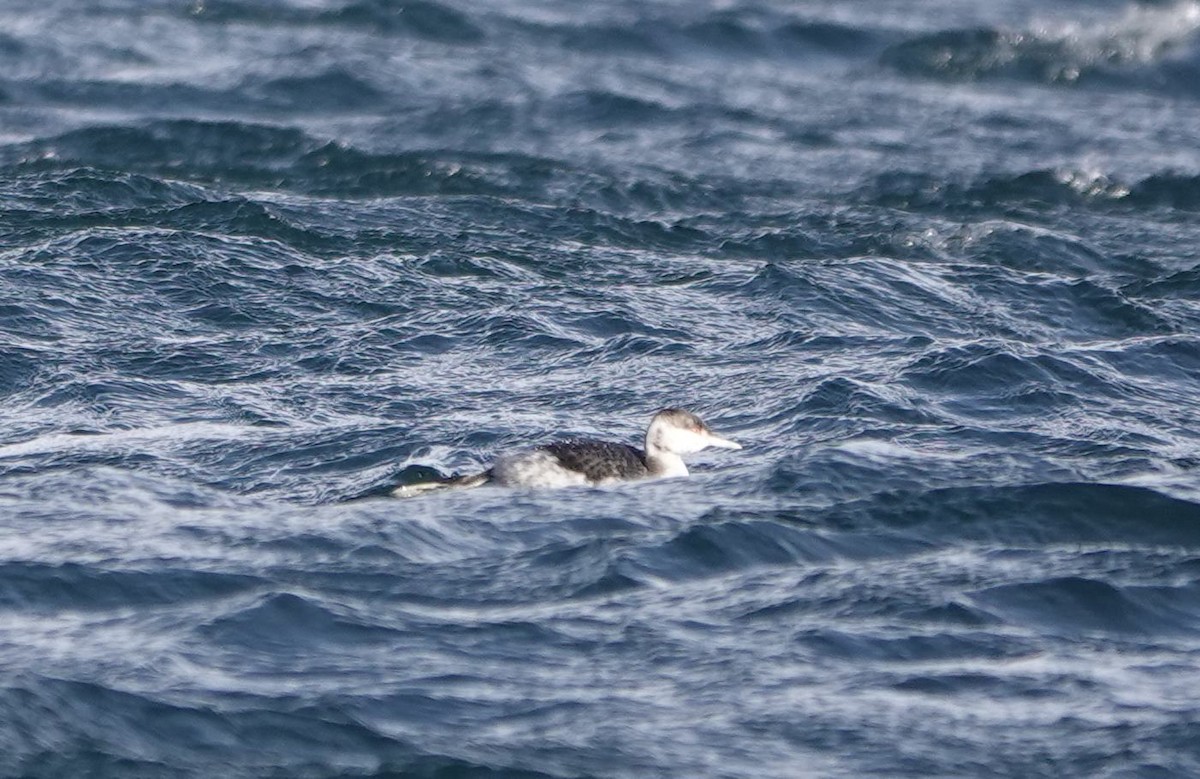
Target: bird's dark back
[599,460]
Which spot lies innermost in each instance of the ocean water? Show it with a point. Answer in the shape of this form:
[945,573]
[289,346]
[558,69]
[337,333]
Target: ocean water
[935,264]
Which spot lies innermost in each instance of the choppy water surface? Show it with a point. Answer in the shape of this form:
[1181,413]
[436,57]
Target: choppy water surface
[935,265]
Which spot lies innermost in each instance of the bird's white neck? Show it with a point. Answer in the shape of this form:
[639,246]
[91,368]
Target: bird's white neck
[664,464]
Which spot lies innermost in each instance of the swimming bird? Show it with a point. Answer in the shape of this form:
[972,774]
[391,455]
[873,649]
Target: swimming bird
[671,434]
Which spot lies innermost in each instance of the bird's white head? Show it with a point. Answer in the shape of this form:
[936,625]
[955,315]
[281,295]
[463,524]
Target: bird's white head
[682,432]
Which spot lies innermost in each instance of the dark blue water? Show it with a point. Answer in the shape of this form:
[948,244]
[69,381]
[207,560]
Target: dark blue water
[935,264]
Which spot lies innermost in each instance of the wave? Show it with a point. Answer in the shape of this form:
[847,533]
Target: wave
[1177,191]
[103,169]
[40,587]
[255,155]
[743,33]
[1020,515]
[86,166]
[247,151]
[863,295]
[1143,46]
[1032,192]
[423,19]
[334,90]
[1000,381]
[99,727]
[288,623]
[1080,606]
[719,546]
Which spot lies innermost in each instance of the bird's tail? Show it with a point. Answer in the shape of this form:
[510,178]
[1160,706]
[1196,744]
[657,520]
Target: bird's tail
[455,482]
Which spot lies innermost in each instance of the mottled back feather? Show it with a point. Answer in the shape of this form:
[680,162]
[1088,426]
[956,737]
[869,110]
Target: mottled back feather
[599,460]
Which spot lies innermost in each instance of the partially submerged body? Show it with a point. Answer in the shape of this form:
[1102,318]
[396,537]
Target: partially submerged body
[580,462]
